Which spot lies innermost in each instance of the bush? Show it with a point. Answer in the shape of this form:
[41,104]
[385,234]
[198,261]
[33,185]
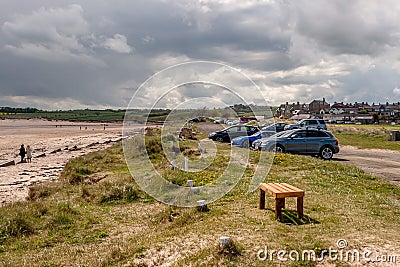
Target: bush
[15,226]
[38,192]
[117,192]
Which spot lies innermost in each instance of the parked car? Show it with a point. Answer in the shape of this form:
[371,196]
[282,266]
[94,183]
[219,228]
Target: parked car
[247,141]
[246,119]
[309,123]
[227,134]
[219,121]
[277,127]
[304,141]
[193,120]
[231,122]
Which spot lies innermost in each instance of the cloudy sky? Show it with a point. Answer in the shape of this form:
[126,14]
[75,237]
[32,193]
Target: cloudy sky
[96,53]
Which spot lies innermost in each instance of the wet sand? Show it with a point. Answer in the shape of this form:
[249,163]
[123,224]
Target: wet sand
[66,139]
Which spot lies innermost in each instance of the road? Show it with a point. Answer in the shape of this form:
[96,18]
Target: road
[379,162]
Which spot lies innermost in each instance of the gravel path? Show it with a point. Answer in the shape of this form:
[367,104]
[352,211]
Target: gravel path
[380,162]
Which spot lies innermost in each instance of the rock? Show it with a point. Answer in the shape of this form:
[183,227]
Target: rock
[74,148]
[55,151]
[7,163]
[39,155]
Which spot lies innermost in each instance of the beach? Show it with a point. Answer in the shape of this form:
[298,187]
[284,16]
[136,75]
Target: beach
[53,144]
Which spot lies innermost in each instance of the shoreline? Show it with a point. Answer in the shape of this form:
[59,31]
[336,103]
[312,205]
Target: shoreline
[55,146]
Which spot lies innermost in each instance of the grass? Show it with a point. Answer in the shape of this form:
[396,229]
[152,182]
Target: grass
[96,215]
[366,136]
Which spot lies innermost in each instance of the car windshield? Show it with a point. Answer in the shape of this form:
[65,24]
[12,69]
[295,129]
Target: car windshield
[280,134]
[256,134]
[283,134]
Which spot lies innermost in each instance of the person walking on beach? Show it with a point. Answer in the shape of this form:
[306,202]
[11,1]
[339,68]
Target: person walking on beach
[22,152]
[29,154]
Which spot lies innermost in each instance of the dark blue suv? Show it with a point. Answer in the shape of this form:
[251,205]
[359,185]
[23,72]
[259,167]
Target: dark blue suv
[303,141]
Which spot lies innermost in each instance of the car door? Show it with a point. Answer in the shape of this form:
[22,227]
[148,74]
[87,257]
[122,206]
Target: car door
[315,140]
[235,131]
[297,142]
[312,141]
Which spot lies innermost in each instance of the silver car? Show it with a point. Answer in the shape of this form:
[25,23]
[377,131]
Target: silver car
[307,123]
[303,141]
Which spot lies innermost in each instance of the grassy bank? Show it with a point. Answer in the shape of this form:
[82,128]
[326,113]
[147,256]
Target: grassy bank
[366,136]
[96,215]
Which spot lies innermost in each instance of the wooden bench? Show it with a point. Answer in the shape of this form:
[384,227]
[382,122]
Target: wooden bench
[280,191]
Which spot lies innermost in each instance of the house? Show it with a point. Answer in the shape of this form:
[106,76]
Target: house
[288,110]
[316,106]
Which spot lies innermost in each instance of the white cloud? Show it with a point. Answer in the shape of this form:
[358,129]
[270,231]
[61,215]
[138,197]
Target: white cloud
[118,43]
[396,91]
[49,34]
[56,27]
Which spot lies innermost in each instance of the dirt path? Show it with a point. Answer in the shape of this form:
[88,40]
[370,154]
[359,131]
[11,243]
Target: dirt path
[380,162]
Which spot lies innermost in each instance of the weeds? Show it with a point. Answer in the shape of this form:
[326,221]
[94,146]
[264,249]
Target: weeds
[230,250]
[111,222]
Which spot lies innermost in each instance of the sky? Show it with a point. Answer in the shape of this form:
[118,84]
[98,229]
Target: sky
[97,53]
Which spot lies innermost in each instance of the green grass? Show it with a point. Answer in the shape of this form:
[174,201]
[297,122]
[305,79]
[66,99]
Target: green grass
[366,136]
[73,115]
[96,215]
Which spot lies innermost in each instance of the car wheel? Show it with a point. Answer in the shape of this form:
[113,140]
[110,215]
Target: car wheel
[326,152]
[219,139]
[246,144]
[277,149]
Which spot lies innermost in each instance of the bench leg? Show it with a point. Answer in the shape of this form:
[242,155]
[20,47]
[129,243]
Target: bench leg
[279,205]
[262,199]
[300,207]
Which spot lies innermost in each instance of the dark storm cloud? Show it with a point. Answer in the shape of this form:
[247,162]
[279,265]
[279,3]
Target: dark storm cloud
[350,27]
[96,53]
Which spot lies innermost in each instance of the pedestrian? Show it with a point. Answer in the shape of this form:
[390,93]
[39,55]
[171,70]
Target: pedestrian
[29,154]
[22,152]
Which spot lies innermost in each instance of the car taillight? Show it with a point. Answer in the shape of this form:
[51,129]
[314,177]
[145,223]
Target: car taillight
[337,142]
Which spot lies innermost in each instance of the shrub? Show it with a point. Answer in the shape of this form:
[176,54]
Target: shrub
[15,226]
[38,192]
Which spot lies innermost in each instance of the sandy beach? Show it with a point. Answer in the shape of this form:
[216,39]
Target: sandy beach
[59,141]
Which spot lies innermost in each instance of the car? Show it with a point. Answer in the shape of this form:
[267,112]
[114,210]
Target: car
[304,141]
[277,127]
[219,121]
[246,119]
[231,122]
[227,134]
[309,123]
[246,141]
[193,120]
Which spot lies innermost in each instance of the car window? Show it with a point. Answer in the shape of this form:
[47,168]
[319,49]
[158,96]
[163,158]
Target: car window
[321,121]
[316,134]
[284,134]
[299,134]
[320,134]
[266,134]
[234,129]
